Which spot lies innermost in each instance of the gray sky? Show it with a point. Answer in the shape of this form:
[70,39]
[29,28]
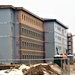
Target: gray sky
[63,10]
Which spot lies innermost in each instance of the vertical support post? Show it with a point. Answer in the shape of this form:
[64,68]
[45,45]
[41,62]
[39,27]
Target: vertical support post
[30,65]
[29,62]
[68,66]
[61,66]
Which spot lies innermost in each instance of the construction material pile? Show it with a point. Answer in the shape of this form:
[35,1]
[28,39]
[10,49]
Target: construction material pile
[37,69]
[44,69]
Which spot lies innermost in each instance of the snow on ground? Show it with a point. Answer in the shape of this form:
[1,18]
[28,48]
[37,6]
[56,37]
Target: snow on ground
[24,67]
[14,71]
[2,72]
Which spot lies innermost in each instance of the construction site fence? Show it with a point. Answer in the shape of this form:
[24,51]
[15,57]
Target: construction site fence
[64,64]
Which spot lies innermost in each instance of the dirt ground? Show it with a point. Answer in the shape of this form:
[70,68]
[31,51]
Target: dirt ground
[72,73]
[72,69]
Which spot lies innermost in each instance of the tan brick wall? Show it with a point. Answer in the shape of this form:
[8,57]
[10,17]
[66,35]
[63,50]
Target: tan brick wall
[30,20]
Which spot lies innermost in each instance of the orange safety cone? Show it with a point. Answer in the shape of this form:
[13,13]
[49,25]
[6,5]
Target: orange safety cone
[64,56]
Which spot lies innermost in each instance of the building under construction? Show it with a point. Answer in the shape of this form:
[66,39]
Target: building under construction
[24,35]
[21,34]
[55,38]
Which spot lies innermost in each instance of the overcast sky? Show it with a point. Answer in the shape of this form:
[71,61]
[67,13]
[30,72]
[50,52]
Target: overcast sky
[63,10]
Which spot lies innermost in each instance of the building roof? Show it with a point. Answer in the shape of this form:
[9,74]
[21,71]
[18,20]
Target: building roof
[20,8]
[55,20]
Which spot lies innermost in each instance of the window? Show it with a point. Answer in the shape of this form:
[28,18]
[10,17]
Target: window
[23,43]
[70,51]
[29,31]
[25,30]
[62,31]
[56,36]
[25,56]
[62,40]
[69,43]
[69,47]
[30,20]
[22,16]
[31,45]
[65,31]
[59,28]
[22,29]
[26,18]
[64,50]
[34,22]
[27,44]
[22,56]
[59,38]
[69,39]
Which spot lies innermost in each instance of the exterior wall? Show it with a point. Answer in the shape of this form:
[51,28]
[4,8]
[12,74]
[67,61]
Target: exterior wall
[9,33]
[31,36]
[15,33]
[49,39]
[14,39]
[30,44]
[30,21]
[55,39]
[22,36]
[5,45]
[60,35]
[5,41]
[60,30]
[61,48]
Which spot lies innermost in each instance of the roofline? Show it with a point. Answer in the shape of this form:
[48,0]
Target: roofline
[7,6]
[55,20]
[20,8]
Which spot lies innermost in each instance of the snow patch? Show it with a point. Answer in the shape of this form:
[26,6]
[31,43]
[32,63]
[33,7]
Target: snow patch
[23,67]
[14,71]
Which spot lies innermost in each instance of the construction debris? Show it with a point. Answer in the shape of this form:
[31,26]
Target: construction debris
[44,69]
[37,69]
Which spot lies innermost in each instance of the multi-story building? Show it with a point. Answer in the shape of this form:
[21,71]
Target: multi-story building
[24,35]
[21,34]
[55,38]
[70,46]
